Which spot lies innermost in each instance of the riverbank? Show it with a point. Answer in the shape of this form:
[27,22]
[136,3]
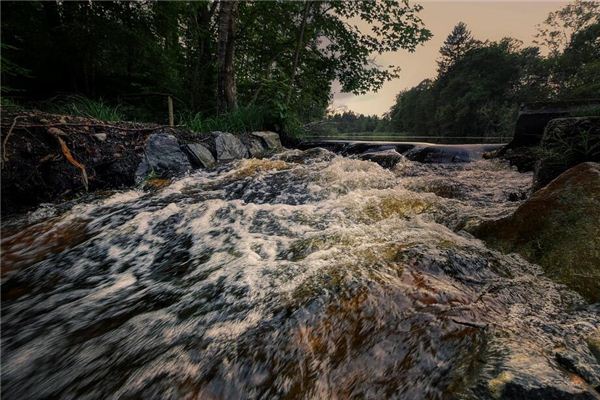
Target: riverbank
[50,157]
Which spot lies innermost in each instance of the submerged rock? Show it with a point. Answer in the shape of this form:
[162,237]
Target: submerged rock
[163,158]
[558,229]
[566,142]
[229,147]
[199,155]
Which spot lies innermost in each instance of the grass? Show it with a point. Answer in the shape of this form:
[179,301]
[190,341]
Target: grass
[84,107]
[246,119]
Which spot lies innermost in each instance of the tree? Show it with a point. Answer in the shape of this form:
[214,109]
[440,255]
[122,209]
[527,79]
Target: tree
[458,42]
[560,26]
[226,89]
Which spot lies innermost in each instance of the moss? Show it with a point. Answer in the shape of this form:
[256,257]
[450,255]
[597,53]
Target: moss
[557,228]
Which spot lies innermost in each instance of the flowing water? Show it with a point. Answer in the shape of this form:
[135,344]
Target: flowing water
[306,275]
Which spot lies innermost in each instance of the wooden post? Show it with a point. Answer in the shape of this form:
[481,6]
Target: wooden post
[171,118]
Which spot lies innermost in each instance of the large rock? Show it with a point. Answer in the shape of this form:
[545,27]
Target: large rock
[270,139]
[533,118]
[558,228]
[255,146]
[566,142]
[385,158]
[229,147]
[162,157]
[200,156]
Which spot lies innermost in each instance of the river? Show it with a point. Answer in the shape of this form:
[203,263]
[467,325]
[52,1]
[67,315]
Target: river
[304,275]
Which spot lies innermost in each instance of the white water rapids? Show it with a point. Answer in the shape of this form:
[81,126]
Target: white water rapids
[307,275]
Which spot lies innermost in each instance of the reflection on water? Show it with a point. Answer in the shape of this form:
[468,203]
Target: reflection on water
[308,275]
[398,137]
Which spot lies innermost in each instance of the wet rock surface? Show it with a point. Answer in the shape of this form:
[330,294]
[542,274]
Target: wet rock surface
[302,275]
[228,147]
[557,227]
[200,155]
[271,140]
[163,157]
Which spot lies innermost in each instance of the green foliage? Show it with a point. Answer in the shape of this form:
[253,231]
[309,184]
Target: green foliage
[287,54]
[346,122]
[244,119]
[481,84]
[84,107]
[560,26]
[458,42]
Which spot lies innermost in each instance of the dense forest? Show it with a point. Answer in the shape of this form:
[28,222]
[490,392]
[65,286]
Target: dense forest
[480,84]
[225,64]
[237,65]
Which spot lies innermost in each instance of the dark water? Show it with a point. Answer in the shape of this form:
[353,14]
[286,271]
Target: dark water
[308,275]
[391,137]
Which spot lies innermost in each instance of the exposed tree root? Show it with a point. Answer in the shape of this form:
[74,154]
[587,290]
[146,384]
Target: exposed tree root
[5,141]
[67,153]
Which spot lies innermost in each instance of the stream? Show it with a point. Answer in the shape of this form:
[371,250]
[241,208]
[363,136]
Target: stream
[307,275]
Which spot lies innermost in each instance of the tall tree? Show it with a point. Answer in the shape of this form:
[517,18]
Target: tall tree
[458,42]
[560,26]
[226,88]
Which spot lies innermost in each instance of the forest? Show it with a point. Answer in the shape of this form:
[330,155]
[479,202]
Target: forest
[240,66]
[480,84]
[226,65]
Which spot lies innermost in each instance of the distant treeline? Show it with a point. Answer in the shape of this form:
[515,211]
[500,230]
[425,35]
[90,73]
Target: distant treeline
[480,84]
[348,122]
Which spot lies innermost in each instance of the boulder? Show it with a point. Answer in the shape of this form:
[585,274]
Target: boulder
[386,158]
[566,142]
[270,139]
[557,228]
[255,146]
[530,127]
[162,157]
[229,147]
[533,118]
[199,155]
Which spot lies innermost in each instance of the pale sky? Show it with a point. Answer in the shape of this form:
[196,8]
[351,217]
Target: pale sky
[486,19]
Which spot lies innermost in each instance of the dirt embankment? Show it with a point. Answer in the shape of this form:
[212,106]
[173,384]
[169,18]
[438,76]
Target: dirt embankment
[48,157]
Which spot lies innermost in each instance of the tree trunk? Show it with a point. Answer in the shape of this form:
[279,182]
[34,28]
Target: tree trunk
[299,45]
[226,89]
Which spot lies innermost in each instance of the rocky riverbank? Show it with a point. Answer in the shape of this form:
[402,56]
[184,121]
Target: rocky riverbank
[47,157]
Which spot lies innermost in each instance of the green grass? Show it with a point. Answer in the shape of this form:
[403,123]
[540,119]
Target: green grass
[246,119]
[84,107]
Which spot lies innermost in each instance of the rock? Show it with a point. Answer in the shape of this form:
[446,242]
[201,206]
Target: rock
[557,228]
[533,118]
[255,146]
[386,158]
[593,342]
[100,136]
[566,143]
[229,147]
[163,158]
[531,125]
[199,155]
[524,158]
[271,139]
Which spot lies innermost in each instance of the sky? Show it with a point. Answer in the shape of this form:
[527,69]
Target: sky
[486,19]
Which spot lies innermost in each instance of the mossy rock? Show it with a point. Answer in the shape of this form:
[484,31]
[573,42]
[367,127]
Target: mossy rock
[557,228]
[566,143]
